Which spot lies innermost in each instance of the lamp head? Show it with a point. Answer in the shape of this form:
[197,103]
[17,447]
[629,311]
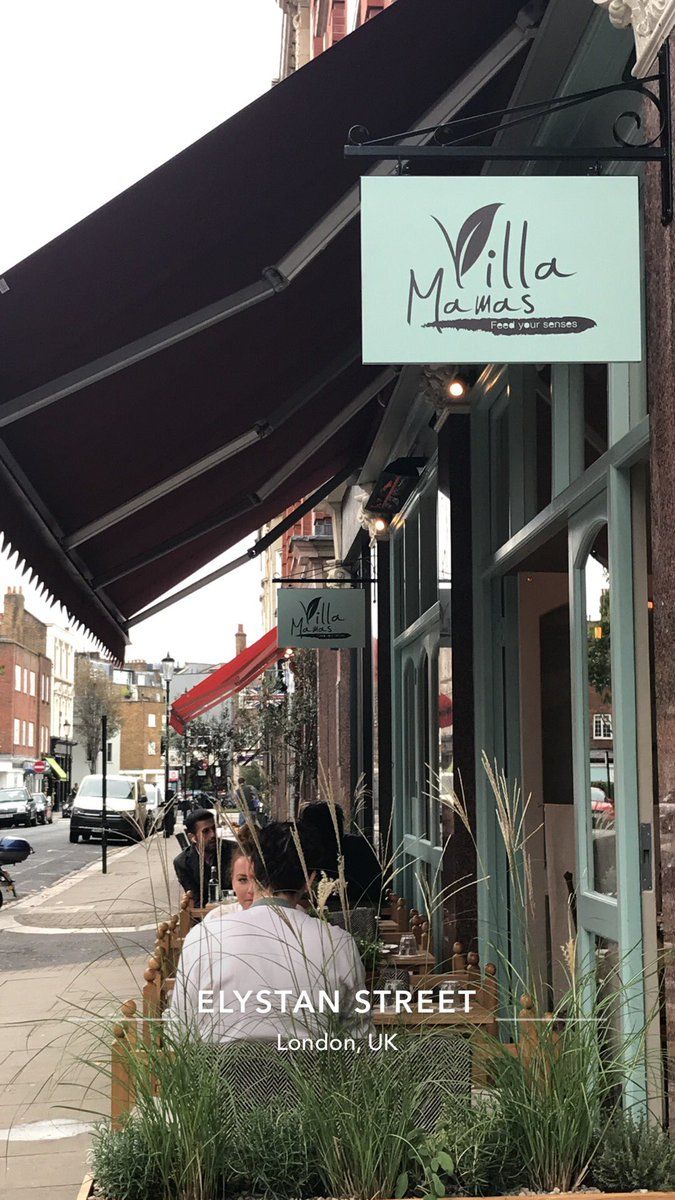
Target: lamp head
[168,664]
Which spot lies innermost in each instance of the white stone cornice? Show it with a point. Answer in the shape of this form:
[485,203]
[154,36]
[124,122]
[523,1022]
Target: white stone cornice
[652,22]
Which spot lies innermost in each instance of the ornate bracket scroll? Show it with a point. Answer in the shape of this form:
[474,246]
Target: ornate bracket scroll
[652,22]
[456,140]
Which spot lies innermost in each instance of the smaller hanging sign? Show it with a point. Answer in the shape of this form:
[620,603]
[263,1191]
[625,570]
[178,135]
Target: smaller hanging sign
[329,618]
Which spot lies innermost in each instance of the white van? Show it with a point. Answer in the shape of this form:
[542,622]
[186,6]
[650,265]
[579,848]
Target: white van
[126,808]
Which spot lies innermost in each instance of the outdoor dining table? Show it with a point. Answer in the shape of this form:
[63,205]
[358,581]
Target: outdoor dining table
[477,1016]
[411,962]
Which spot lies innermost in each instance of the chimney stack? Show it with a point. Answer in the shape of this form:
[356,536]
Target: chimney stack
[240,639]
[12,621]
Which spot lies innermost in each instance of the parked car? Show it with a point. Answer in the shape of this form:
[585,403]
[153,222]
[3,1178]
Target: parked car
[17,807]
[44,808]
[126,808]
[601,803]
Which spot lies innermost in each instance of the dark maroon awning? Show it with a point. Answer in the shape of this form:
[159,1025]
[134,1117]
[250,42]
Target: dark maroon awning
[192,348]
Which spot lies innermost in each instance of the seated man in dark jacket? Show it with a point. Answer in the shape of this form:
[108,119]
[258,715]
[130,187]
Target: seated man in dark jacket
[206,850]
[363,874]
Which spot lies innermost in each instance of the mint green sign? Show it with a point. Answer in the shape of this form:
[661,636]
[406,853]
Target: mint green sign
[495,269]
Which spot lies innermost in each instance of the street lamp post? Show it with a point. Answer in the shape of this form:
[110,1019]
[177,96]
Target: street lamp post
[168,665]
[68,784]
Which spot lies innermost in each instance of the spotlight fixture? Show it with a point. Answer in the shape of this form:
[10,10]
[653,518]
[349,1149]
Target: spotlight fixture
[380,525]
[458,387]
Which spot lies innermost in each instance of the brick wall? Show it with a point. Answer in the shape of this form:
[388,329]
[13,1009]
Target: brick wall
[334,724]
[138,734]
[20,626]
[23,641]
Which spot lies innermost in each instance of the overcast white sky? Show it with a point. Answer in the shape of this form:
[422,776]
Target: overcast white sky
[94,95]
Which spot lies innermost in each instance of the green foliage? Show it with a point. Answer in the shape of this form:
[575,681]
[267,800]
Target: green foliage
[272,1156]
[353,1132]
[360,1117]
[95,697]
[302,723]
[370,952]
[633,1155]
[599,667]
[553,1097]
[470,1153]
[175,1137]
[281,725]
[254,776]
[122,1163]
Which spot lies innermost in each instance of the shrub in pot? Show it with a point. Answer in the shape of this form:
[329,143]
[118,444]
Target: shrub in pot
[633,1155]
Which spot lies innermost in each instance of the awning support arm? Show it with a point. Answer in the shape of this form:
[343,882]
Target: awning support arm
[254,551]
[255,499]
[243,441]
[447,140]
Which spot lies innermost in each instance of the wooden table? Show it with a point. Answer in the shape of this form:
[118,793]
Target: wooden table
[411,962]
[478,1017]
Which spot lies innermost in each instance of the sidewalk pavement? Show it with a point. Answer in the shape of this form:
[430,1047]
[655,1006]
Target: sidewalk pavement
[53,1020]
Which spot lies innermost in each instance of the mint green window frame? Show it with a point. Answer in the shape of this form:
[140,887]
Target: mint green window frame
[582,501]
[417,629]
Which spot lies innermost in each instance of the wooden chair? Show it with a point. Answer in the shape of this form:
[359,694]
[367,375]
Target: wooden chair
[398,922]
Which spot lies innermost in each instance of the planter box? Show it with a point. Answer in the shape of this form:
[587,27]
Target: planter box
[87,1189]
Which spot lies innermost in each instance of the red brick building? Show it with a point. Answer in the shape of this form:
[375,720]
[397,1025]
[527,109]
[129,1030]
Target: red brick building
[332,19]
[25,681]
[312,26]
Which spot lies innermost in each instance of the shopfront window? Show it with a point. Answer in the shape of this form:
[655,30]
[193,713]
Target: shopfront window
[601,799]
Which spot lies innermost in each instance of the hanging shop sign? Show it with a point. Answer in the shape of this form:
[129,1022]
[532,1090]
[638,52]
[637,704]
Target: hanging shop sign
[496,269]
[330,618]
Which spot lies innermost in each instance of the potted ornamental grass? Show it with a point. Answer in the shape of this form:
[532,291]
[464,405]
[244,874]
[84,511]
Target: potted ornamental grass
[550,1118]
[351,1129]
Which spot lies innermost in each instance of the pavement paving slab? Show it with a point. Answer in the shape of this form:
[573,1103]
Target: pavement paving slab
[52,1015]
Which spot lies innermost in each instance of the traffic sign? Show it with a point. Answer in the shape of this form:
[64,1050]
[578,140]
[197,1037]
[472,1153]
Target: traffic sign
[39,767]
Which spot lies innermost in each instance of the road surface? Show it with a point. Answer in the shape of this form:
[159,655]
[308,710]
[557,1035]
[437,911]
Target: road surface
[54,856]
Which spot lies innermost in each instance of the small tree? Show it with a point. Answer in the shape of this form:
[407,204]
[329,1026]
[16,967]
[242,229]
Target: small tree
[599,664]
[210,740]
[95,697]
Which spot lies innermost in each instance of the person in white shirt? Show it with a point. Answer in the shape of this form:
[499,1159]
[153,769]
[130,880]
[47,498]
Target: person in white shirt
[272,971]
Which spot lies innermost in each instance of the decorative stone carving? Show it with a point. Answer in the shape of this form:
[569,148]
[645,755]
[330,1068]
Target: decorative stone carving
[652,22]
[434,384]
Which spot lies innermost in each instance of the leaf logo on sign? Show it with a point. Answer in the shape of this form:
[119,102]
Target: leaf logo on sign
[310,609]
[471,239]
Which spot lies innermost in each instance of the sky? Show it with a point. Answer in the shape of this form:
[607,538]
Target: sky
[94,96]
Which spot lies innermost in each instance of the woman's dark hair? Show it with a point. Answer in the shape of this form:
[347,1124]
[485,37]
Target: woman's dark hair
[199,814]
[276,863]
[320,818]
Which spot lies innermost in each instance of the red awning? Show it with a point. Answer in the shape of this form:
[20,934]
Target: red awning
[229,679]
[199,336]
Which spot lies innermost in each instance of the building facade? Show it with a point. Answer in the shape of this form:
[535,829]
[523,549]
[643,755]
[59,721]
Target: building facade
[61,650]
[25,684]
[142,731]
[522,609]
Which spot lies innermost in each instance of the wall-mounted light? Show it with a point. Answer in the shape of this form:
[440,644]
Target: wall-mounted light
[380,525]
[457,389]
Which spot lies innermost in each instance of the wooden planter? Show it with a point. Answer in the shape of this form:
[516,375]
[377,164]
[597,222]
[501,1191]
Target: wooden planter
[87,1190]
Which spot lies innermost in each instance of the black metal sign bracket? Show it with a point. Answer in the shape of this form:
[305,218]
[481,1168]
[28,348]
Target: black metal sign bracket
[449,141]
